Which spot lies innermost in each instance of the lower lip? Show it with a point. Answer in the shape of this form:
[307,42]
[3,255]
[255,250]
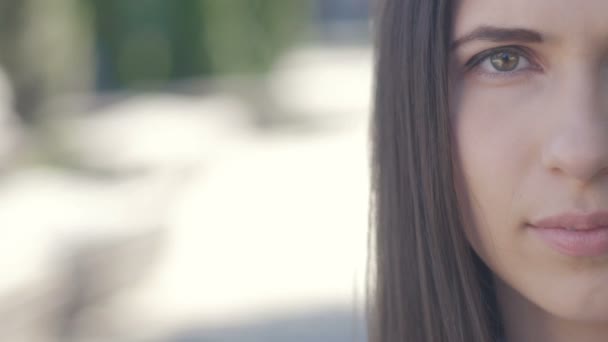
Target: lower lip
[578,243]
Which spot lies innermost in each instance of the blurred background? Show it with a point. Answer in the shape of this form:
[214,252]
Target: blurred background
[186,170]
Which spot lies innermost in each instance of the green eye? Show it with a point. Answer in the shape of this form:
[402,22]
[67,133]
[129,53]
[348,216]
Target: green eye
[504,61]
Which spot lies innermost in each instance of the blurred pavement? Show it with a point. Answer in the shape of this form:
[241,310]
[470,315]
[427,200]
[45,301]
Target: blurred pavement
[197,225]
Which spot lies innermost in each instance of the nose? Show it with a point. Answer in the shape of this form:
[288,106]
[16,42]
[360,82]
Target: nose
[580,153]
[578,147]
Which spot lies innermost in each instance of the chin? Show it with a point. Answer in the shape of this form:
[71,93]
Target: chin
[577,297]
[579,311]
[575,302]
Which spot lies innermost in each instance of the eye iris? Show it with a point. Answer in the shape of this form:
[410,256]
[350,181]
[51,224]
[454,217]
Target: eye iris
[504,61]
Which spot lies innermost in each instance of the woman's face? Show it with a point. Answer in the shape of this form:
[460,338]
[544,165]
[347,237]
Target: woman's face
[530,116]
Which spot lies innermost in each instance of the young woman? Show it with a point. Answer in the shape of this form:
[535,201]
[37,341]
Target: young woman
[490,172]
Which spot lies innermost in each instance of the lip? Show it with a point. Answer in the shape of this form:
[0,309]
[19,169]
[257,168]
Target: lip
[576,221]
[575,234]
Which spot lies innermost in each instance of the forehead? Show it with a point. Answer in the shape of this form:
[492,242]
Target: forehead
[561,19]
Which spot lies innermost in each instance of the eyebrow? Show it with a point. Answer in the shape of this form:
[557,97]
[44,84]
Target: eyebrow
[499,34]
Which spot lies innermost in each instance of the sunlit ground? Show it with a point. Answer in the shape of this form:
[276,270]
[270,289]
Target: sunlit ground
[197,218]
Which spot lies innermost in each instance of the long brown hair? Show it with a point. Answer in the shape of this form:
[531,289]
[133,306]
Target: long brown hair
[426,283]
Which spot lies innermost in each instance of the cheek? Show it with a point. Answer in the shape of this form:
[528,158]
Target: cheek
[498,140]
[495,142]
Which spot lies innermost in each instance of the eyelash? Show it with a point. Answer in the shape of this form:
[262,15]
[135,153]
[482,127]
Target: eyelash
[476,61]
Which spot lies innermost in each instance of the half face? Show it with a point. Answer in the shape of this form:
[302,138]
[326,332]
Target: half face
[530,117]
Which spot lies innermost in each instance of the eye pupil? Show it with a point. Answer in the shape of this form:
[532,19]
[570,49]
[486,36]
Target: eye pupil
[505,61]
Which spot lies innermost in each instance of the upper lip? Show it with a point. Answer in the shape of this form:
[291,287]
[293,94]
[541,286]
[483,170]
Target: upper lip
[574,220]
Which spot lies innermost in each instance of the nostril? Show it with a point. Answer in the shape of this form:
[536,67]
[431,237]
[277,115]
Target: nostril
[574,156]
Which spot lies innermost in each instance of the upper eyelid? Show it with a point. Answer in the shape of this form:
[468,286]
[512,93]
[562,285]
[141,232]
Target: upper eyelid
[481,56]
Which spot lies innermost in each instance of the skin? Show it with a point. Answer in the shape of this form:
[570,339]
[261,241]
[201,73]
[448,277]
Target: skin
[532,143]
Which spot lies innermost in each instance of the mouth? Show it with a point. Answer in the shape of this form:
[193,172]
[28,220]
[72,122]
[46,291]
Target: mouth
[574,234]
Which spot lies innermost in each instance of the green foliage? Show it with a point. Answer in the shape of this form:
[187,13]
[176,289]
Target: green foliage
[160,40]
[246,35]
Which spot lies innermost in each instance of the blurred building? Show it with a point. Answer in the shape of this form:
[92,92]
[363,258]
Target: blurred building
[343,20]
[331,10]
